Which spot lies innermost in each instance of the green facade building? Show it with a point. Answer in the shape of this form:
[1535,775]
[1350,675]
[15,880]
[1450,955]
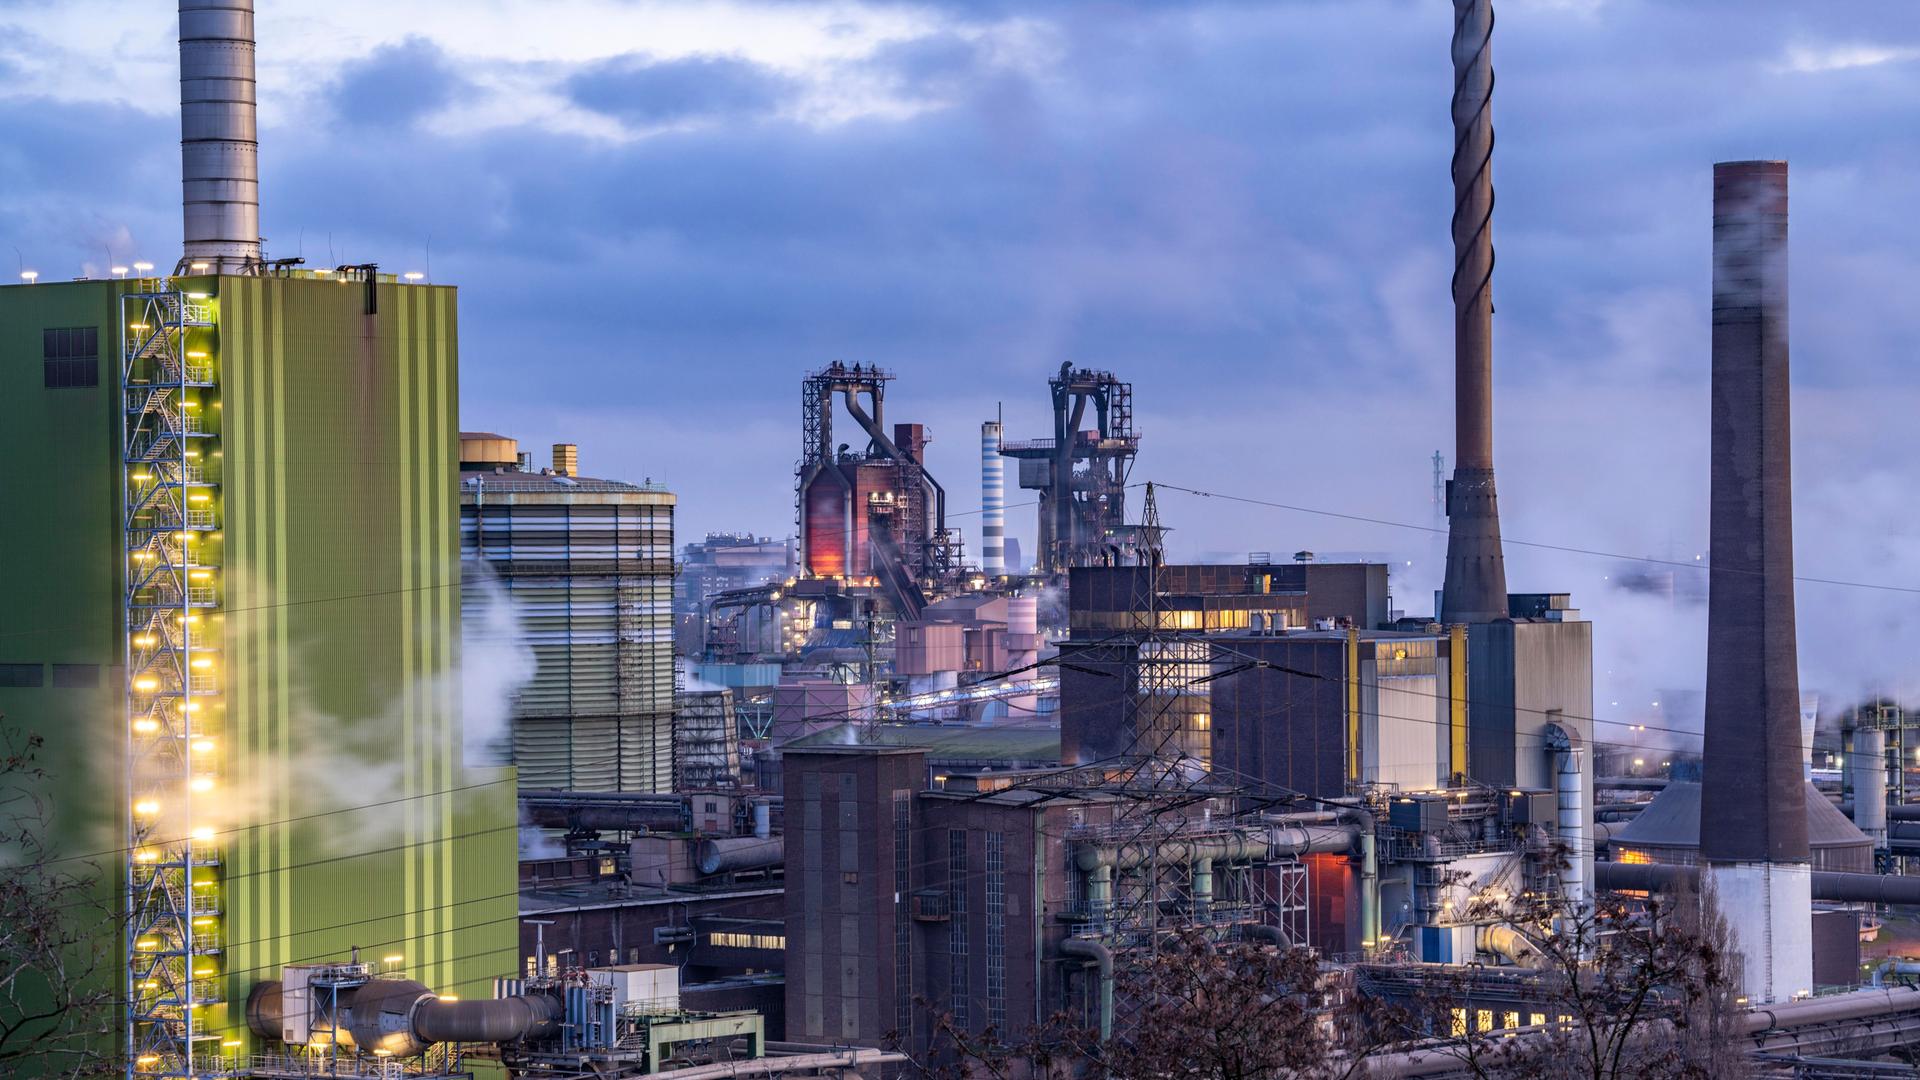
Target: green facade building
[230,602]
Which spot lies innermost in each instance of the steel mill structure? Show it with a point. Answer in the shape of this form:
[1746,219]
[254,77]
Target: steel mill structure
[1080,473]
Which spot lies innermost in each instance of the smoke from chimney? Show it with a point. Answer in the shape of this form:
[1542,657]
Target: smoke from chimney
[1476,584]
[219,138]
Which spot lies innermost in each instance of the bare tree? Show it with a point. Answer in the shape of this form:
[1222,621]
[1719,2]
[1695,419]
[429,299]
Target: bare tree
[58,935]
[1629,988]
[1194,1009]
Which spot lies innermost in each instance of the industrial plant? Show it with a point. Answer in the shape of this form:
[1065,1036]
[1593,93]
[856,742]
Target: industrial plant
[402,754]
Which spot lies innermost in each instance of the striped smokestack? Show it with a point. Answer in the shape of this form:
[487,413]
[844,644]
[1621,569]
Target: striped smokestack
[219,139]
[993,501]
[1476,584]
[1753,813]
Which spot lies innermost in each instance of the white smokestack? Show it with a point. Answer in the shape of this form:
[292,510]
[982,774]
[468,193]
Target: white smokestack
[993,502]
[219,138]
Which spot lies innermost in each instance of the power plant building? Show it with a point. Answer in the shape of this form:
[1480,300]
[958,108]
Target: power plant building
[585,567]
[240,601]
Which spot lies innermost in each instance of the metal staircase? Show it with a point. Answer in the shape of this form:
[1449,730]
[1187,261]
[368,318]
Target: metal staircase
[169,513]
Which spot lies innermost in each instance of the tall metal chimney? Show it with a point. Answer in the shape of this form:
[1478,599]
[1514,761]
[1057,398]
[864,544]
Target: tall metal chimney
[993,501]
[1753,812]
[219,139]
[1476,585]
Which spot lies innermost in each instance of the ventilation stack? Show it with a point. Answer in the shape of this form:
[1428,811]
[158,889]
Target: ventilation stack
[1476,583]
[993,502]
[1753,810]
[219,139]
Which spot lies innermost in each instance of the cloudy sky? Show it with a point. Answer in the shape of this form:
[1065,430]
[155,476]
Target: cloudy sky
[661,214]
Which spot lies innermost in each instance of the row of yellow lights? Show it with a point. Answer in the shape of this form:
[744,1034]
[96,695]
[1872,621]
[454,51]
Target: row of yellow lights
[201,744]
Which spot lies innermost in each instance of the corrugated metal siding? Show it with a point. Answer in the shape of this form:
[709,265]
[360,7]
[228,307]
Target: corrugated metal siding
[589,577]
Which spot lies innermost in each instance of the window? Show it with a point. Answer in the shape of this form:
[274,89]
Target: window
[76,676]
[70,357]
[959,952]
[997,931]
[745,941]
[22,675]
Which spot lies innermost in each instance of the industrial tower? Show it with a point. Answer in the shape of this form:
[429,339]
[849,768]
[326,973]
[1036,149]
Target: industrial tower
[242,578]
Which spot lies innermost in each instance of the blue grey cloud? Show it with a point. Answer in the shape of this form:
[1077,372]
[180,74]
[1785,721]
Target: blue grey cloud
[396,84]
[1241,207]
[644,91]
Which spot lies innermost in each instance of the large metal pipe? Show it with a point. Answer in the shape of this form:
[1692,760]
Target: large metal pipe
[496,1020]
[1102,958]
[219,138]
[731,854]
[605,812]
[402,1018]
[993,501]
[1273,841]
[1834,886]
[1475,589]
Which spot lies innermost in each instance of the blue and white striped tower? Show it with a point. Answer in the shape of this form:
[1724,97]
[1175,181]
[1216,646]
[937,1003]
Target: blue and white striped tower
[993,502]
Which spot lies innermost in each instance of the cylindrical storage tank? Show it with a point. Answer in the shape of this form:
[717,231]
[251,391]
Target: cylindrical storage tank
[1869,765]
[219,139]
[1023,650]
[731,854]
[763,819]
[993,501]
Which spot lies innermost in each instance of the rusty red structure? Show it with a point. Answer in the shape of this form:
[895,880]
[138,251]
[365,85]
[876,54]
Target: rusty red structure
[873,514]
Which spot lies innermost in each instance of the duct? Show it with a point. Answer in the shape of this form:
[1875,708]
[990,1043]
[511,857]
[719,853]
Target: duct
[1868,760]
[1102,957]
[219,138]
[1271,934]
[1202,888]
[1508,944]
[1475,588]
[763,819]
[1833,886]
[1099,890]
[1894,967]
[730,854]
[1362,823]
[498,1020]
[401,1017]
[1271,842]
[611,812]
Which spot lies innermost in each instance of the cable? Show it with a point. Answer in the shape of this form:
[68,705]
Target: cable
[1522,543]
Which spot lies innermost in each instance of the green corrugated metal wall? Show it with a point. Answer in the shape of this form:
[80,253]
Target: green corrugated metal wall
[340,610]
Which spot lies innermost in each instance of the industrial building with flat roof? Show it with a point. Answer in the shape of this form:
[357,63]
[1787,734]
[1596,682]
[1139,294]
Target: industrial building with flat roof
[585,567]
